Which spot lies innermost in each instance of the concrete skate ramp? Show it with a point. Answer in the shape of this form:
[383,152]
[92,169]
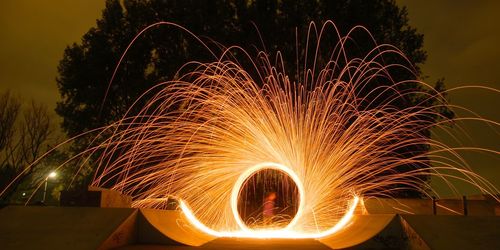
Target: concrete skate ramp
[454,232]
[360,230]
[262,244]
[65,227]
[168,227]
[173,225]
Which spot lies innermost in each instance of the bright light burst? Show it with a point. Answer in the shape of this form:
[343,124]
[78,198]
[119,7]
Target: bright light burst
[201,136]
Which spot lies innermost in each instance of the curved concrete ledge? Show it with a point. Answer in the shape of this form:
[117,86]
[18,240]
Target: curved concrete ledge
[361,229]
[172,225]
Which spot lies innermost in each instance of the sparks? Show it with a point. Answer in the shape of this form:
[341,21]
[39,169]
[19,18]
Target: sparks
[198,138]
[286,233]
[201,136]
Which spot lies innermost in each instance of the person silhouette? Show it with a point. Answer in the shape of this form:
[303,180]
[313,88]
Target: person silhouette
[268,208]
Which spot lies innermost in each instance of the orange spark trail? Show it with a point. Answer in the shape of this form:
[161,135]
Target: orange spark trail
[201,136]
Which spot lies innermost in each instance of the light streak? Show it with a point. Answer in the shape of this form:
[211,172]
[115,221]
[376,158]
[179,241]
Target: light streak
[285,233]
[198,138]
[201,136]
[245,175]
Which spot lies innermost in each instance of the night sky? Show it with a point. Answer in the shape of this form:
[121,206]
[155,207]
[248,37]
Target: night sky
[462,39]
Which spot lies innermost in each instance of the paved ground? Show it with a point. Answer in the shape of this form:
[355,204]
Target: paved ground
[243,244]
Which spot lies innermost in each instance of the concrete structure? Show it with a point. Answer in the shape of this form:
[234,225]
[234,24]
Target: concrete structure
[381,231]
[65,228]
[95,197]
[104,228]
[474,205]
[378,224]
[452,232]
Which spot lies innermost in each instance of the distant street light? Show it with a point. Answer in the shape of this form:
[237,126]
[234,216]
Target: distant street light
[51,175]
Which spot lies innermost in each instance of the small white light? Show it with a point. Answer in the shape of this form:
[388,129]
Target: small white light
[52,174]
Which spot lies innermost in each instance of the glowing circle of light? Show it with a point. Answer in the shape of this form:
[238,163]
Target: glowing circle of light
[198,136]
[198,132]
[249,172]
[286,232]
[266,234]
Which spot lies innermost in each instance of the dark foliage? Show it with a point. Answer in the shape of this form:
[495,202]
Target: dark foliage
[86,68]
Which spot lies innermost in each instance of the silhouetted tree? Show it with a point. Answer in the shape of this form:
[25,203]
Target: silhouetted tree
[25,133]
[86,68]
